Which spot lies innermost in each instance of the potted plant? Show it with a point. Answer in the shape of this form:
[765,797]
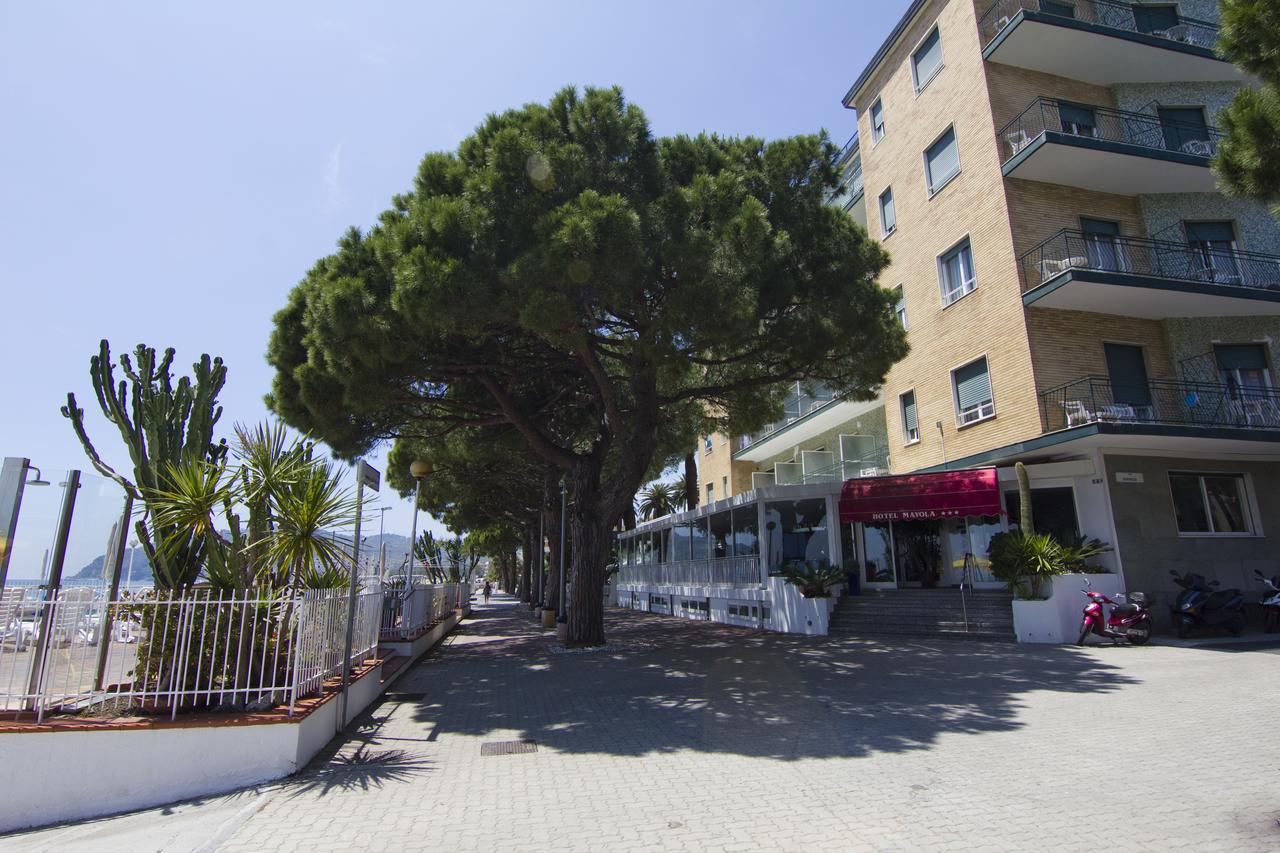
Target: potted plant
[814,577]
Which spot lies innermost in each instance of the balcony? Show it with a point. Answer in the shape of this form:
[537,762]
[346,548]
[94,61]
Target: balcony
[848,196]
[1148,278]
[1108,150]
[1102,42]
[1161,403]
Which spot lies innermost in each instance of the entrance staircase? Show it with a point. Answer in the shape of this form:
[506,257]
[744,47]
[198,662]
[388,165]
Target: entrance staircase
[924,613]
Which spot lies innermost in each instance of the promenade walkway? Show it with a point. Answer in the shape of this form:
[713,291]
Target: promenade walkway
[703,737]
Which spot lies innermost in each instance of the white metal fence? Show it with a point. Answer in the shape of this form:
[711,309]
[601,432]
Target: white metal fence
[715,571]
[410,608]
[164,652]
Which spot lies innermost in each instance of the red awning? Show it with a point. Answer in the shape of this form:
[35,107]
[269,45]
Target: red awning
[947,494]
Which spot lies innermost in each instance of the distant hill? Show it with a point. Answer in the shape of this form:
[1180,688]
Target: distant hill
[141,568]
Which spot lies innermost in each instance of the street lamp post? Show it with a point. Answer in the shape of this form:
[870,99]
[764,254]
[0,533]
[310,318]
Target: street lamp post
[562,615]
[133,551]
[418,469]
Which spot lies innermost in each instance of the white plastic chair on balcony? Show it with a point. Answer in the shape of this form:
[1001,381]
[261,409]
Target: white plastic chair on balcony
[1017,140]
[1050,267]
[1198,147]
[1077,413]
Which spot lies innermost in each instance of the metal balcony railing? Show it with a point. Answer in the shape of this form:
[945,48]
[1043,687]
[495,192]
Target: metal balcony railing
[1104,123]
[1094,399]
[795,407]
[845,150]
[1121,17]
[741,571]
[1202,263]
[847,194]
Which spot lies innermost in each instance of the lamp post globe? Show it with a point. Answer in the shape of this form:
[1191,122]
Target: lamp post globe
[419,468]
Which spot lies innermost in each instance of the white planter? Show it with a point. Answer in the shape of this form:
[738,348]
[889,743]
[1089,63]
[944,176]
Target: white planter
[1057,619]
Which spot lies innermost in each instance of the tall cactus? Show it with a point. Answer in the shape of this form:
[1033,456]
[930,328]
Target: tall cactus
[1026,522]
[161,424]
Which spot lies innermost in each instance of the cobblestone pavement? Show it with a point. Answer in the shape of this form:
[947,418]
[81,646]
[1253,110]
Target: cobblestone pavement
[704,737]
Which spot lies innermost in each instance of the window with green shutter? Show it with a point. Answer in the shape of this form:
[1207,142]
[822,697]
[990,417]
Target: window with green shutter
[910,421]
[942,161]
[927,60]
[972,385]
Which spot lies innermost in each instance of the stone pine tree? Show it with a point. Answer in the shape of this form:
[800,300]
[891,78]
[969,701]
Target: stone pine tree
[163,424]
[564,260]
[1248,159]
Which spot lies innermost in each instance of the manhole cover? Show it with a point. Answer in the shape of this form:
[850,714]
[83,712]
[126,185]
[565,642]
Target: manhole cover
[508,747]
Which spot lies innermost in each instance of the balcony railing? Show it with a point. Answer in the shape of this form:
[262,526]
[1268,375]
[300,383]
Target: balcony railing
[794,408]
[713,571]
[1106,124]
[1094,399]
[850,186]
[1103,13]
[847,149]
[1201,263]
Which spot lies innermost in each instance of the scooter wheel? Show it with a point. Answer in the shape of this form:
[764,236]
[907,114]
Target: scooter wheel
[1140,633]
[1184,629]
[1084,633]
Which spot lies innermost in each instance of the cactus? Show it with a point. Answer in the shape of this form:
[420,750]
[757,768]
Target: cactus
[161,424]
[1024,499]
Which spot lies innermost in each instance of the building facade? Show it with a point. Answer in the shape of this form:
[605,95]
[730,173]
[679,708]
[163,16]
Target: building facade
[1079,295]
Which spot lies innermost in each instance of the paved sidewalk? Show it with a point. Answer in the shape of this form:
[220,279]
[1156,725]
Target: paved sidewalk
[703,737]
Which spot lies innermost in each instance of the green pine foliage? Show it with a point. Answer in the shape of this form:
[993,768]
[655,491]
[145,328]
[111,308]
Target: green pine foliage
[1248,159]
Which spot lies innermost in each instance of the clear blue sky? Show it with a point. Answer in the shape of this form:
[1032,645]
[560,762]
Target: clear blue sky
[168,172]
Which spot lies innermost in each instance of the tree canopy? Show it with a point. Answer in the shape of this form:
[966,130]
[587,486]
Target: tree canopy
[570,276]
[1248,159]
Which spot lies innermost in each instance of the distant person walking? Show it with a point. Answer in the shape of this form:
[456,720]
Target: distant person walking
[488,590]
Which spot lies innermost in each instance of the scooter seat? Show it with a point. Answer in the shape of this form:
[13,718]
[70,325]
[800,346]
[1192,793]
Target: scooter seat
[1124,610]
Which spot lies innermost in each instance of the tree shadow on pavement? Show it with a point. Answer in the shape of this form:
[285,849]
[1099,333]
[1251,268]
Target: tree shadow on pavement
[668,684]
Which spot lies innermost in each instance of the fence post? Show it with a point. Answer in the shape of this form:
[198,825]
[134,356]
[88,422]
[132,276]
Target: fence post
[365,474]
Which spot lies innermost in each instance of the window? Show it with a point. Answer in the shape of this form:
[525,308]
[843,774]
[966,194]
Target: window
[724,486]
[1057,7]
[1210,503]
[711,492]
[888,220]
[877,121]
[1213,246]
[1078,120]
[910,423]
[706,444]
[1155,20]
[1102,244]
[1185,130]
[746,540]
[721,527]
[972,385]
[927,60]
[941,161]
[900,305]
[796,532]
[1243,368]
[1053,511]
[955,269]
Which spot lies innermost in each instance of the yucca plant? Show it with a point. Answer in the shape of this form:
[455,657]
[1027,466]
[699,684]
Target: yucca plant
[814,577]
[1023,560]
[305,508]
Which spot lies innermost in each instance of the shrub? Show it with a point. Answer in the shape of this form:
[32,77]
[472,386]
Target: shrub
[813,577]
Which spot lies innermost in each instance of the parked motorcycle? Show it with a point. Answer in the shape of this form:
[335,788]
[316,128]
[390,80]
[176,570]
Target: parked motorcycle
[1270,603]
[1129,621]
[1199,605]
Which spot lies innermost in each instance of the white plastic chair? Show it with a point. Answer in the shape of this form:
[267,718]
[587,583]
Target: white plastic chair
[10,615]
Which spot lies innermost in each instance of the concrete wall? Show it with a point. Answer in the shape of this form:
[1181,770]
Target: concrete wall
[1256,229]
[1147,535]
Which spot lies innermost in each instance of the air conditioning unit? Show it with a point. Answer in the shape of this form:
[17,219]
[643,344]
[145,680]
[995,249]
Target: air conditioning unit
[873,472]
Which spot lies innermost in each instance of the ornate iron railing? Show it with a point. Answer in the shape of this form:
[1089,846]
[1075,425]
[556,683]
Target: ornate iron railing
[1094,399]
[1104,123]
[1074,250]
[1104,13]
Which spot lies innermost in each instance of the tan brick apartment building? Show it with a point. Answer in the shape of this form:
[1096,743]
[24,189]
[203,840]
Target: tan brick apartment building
[1077,292]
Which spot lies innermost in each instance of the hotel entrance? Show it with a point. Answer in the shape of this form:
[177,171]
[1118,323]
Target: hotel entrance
[922,530]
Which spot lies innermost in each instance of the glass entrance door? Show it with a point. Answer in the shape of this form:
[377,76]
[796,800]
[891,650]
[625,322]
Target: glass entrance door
[877,556]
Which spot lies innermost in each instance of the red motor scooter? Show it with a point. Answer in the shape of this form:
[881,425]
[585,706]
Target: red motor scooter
[1129,621]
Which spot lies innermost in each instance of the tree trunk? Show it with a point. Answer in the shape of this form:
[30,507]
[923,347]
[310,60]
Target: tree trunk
[591,542]
[690,481]
[551,587]
[526,552]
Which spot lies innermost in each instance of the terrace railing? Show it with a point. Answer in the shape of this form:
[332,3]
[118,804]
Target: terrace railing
[713,571]
[1200,263]
[166,652]
[1095,399]
[1107,124]
[409,609]
[1110,14]
[794,408]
